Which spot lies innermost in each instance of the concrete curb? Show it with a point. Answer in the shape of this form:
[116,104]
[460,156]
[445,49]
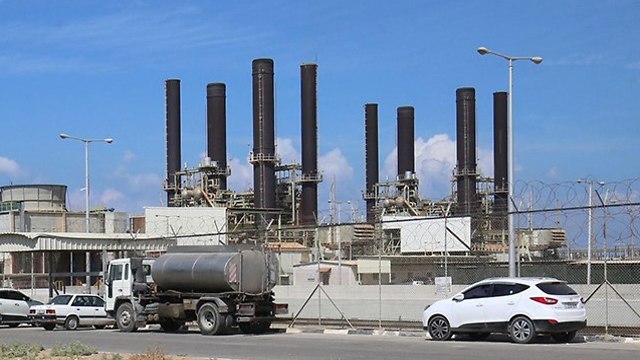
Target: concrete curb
[426,336]
[377,332]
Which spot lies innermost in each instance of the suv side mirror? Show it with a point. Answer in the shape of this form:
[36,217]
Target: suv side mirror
[458,297]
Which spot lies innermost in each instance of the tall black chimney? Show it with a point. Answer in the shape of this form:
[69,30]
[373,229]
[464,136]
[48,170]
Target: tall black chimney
[466,150]
[500,160]
[172,101]
[309,205]
[263,156]
[406,154]
[371,158]
[217,128]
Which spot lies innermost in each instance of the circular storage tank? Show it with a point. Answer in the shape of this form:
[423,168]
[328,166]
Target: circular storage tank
[217,272]
[38,197]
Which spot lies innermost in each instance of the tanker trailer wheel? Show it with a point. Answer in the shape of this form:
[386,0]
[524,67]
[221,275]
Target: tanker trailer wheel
[209,319]
[126,318]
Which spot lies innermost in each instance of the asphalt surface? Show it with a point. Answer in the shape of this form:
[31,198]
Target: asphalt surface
[282,345]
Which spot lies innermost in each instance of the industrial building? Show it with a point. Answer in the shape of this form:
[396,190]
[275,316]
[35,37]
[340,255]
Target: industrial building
[41,238]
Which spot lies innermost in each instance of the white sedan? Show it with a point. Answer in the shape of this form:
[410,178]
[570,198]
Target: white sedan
[520,307]
[72,311]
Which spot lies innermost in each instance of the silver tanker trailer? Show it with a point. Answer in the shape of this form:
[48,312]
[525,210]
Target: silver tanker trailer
[220,287]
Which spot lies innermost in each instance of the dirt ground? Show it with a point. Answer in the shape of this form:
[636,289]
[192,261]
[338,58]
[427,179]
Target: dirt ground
[46,355]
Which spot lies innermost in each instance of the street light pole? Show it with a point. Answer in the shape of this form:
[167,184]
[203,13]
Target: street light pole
[590,183]
[510,151]
[87,224]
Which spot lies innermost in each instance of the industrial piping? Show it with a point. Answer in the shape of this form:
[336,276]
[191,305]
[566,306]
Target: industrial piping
[263,156]
[371,159]
[309,202]
[172,101]
[217,128]
[466,151]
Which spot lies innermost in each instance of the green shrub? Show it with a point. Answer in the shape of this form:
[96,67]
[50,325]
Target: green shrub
[73,349]
[19,350]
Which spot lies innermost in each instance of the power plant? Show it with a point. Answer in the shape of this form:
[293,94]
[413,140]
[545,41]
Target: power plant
[474,215]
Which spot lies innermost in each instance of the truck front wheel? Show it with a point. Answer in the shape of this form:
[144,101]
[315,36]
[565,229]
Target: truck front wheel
[209,319]
[126,318]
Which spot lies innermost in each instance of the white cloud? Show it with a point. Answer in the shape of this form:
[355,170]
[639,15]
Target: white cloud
[334,163]
[577,60]
[9,166]
[110,196]
[287,152]
[634,65]
[435,161]
[128,156]
[241,178]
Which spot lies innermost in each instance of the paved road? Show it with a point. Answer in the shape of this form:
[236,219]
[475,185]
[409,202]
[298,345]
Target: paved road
[318,346]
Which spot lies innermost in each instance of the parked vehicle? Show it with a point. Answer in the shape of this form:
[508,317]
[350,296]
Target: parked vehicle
[520,307]
[220,287]
[71,311]
[14,307]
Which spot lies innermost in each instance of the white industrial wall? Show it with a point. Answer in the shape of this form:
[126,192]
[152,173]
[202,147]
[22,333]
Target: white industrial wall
[407,302]
[421,235]
[208,225]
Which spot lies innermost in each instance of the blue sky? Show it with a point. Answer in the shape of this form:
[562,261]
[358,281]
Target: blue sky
[96,69]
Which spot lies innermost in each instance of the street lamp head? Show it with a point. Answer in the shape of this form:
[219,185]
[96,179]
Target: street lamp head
[536,60]
[483,50]
[108,141]
[64,136]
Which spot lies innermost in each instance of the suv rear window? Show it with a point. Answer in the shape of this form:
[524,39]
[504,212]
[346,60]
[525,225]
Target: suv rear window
[556,288]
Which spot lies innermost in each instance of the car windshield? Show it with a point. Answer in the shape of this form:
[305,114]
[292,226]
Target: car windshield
[60,300]
[556,288]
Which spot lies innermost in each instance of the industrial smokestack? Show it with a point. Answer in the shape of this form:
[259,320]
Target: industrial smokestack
[371,158]
[172,101]
[309,205]
[466,150]
[500,161]
[217,128]
[406,154]
[263,156]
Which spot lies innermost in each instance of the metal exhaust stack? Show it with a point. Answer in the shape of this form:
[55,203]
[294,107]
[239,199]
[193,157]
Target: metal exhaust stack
[309,205]
[371,159]
[500,161]
[406,153]
[172,101]
[466,151]
[263,156]
[217,128]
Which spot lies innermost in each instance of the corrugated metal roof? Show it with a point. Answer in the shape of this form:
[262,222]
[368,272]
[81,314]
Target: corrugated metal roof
[32,241]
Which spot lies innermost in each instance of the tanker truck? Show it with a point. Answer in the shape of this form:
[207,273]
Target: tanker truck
[220,287]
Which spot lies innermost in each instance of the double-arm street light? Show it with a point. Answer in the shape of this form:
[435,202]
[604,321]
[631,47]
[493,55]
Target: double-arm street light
[510,154]
[87,226]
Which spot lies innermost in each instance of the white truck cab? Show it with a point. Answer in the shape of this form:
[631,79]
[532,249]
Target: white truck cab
[120,280]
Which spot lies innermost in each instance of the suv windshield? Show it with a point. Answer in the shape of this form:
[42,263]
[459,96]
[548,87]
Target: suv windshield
[61,300]
[556,288]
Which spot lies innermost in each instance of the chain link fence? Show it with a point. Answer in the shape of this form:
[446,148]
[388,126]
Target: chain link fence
[583,232]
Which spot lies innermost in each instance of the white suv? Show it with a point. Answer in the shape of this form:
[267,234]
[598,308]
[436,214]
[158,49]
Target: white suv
[520,307]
